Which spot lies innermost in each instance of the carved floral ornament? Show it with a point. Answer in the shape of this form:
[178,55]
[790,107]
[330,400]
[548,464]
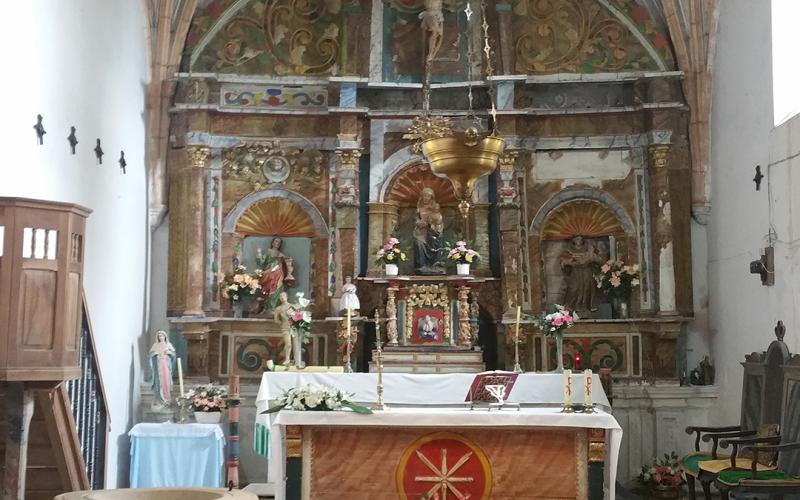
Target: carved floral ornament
[264,164]
[198,156]
[428,296]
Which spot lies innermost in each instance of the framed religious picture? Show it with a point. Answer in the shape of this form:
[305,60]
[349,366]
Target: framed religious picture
[428,326]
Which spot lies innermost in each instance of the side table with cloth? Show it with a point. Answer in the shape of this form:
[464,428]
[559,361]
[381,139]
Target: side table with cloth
[177,455]
[423,392]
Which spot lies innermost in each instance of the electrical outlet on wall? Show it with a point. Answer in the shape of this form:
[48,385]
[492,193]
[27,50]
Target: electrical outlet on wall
[765,266]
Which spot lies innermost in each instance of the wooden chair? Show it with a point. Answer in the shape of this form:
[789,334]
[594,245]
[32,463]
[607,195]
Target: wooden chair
[783,479]
[760,414]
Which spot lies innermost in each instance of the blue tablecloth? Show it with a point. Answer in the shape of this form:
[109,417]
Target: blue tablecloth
[176,455]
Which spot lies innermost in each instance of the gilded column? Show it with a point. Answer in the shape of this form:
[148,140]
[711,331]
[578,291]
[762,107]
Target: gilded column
[346,201]
[391,316]
[197,157]
[661,216]
[464,327]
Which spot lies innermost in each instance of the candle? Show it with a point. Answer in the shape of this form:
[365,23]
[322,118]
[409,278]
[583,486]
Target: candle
[567,387]
[180,377]
[587,387]
[519,313]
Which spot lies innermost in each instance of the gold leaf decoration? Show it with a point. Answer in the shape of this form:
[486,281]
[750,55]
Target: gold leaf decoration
[407,185]
[581,218]
[275,216]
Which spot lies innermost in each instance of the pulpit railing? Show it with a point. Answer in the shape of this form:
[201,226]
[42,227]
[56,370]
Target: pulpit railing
[90,407]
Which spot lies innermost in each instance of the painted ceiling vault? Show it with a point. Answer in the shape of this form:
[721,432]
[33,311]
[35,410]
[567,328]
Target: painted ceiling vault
[317,37]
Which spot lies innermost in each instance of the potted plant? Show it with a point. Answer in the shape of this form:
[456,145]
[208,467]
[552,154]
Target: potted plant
[238,286]
[663,478]
[390,255]
[618,281]
[552,324]
[207,403]
[463,256]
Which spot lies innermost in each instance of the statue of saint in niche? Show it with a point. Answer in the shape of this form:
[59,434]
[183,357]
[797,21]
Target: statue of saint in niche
[579,263]
[276,274]
[429,246]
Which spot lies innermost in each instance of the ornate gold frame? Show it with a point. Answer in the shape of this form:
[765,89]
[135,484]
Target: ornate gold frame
[435,296]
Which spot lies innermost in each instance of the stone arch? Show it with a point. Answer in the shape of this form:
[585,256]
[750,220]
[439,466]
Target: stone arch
[583,193]
[320,226]
[394,164]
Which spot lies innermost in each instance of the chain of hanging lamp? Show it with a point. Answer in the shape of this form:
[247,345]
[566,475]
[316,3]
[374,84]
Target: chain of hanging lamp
[487,50]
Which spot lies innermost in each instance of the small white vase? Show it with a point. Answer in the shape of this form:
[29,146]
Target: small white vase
[391,270]
[462,269]
[207,417]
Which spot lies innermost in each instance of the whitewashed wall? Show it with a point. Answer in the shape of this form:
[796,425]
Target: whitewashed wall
[83,63]
[742,312]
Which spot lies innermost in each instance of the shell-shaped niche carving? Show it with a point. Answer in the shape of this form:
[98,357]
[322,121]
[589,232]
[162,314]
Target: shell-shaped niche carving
[404,189]
[275,216]
[585,218]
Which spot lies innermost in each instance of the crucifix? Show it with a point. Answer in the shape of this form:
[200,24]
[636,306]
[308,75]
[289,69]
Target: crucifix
[72,139]
[98,152]
[122,162]
[758,177]
[39,128]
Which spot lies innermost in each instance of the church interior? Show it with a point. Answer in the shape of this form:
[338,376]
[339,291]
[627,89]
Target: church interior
[415,249]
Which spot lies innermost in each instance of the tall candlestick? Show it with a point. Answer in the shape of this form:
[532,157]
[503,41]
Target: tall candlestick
[180,377]
[517,367]
[348,367]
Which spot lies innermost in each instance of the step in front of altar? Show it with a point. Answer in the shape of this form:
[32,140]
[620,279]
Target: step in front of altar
[433,359]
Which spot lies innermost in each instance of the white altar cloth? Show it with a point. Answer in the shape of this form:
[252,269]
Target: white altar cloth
[426,392]
[455,417]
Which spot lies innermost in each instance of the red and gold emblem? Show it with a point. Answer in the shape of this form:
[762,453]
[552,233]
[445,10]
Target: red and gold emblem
[443,466]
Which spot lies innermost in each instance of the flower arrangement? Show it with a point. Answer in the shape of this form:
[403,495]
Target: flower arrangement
[207,398]
[616,279]
[342,340]
[315,398]
[555,321]
[238,284]
[662,473]
[461,254]
[300,319]
[390,253]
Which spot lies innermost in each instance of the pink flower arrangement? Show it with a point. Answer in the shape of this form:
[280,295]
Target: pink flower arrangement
[555,322]
[390,252]
[462,254]
[617,279]
[208,398]
[664,472]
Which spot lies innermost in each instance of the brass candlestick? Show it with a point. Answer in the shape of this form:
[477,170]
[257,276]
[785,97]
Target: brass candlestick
[517,367]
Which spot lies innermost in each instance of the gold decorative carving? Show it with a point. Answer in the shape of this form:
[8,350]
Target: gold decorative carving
[464,327]
[198,156]
[276,216]
[433,296]
[265,164]
[581,218]
[659,155]
[391,316]
[348,158]
[580,36]
[427,127]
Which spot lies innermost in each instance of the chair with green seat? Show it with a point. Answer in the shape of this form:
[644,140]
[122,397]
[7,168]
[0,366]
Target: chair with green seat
[762,378]
[775,482]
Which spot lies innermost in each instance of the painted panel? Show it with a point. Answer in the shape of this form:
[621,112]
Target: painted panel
[37,308]
[274,96]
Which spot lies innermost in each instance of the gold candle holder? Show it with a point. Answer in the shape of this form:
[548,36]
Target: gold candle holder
[379,404]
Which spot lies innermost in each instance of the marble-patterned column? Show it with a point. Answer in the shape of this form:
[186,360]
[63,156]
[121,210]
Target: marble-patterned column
[504,14]
[197,160]
[480,224]
[661,214]
[509,215]
[382,220]
[346,201]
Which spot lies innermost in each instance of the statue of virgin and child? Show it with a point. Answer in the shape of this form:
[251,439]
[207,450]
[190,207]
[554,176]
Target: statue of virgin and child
[430,249]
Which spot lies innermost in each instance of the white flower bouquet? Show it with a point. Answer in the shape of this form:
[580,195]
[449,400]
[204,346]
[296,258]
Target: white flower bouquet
[315,398]
[208,398]
[239,284]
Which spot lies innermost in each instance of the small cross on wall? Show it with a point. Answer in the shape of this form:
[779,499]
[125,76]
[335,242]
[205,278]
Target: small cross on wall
[758,177]
[122,162]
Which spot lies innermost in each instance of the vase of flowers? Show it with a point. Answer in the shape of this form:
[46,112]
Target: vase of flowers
[238,286]
[663,478]
[207,403]
[618,281]
[390,255]
[300,324]
[463,256]
[552,324]
[315,398]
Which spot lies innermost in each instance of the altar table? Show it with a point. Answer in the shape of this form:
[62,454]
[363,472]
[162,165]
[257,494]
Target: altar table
[543,392]
[176,455]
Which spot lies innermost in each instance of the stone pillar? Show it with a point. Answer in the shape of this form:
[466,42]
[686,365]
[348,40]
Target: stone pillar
[391,315]
[464,327]
[509,211]
[382,219]
[197,159]
[661,216]
[346,201]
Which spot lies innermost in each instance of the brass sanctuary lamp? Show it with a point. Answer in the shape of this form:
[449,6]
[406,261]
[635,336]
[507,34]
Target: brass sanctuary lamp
[460,157]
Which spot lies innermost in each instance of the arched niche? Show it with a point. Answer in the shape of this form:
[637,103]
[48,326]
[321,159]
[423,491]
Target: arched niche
[261,216]
[602,223]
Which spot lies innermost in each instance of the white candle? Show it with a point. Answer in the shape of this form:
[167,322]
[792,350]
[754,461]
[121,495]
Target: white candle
[180,377]
[567,387]
[587,387]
